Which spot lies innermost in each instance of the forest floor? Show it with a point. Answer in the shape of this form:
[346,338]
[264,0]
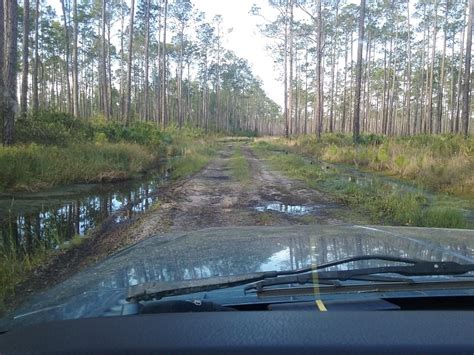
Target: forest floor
[212,197]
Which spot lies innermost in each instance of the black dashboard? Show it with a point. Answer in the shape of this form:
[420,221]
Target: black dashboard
[262,332]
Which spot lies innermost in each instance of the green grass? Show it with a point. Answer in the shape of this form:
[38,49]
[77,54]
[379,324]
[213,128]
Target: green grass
[437,162]
[381,203]
[15,266]
[191,150]
[33,167]
[240,167]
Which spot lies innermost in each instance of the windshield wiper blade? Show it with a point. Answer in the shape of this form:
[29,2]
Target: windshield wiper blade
[420,268]
[157,290]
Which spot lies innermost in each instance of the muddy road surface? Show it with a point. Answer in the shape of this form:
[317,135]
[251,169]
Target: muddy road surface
[215,198]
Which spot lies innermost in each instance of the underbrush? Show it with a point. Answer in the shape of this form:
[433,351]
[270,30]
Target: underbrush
[55,148]
[379,201]
[440,163]
[62,129]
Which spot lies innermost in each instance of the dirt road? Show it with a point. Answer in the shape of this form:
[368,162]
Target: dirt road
[214,198]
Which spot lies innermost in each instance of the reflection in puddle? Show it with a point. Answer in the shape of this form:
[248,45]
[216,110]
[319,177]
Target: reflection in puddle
[298,210]
[50,219]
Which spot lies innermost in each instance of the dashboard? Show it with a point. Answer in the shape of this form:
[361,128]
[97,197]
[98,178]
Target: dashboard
[276,332]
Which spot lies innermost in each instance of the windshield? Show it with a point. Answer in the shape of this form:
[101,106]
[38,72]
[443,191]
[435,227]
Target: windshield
[147,142]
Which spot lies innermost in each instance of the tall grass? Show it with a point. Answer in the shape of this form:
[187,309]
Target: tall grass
[439,162]
[381,203]
[15,264]
[32,167]
[191,150]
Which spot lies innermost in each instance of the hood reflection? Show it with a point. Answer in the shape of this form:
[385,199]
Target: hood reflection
[223,252]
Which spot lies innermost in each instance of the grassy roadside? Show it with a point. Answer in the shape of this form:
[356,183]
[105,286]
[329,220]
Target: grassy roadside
[240,167]
[56,149]
[190,151]
[380,202]
[35,166]
[442,163]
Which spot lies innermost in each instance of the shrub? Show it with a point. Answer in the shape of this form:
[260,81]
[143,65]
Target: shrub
[52,128]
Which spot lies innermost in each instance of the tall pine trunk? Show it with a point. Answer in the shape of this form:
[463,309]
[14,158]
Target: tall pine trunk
[319,82]
[429,116]
[467,72]
[164,86]
[103,62]
[146,109]
[9,75]
[25,58]
[66,62]
[356,126]
[36,64]
[128,99]
[75,71]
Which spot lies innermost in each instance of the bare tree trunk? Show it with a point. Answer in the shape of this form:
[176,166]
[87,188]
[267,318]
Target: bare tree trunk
[429,117]
[331,109]
[75,71]
[290,67]
[2,62]
[384,94]
[459,83]
[147,41]
[467,72]
[408,91]
[368,52]
[356,127]
[344,104]
[128,100]
[452,96]
[179,80]
[391,100]
[66,62]
[319,82]
[285,79]
[103,62]
[297,95]
[164,109]
[160,72]
[9,74]
[442,83]
[36,66]
[109,73]
[25,58]
[306,93]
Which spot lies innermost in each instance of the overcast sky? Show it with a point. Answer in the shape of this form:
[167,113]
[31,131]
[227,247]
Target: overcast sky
[245,39]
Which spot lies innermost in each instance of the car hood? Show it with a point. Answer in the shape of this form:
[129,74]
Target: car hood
[232,251]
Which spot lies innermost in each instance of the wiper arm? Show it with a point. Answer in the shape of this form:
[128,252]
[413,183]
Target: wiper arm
[419,268]
[157,290]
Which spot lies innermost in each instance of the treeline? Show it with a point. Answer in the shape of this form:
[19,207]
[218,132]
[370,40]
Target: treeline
[397,67]
[155,60]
